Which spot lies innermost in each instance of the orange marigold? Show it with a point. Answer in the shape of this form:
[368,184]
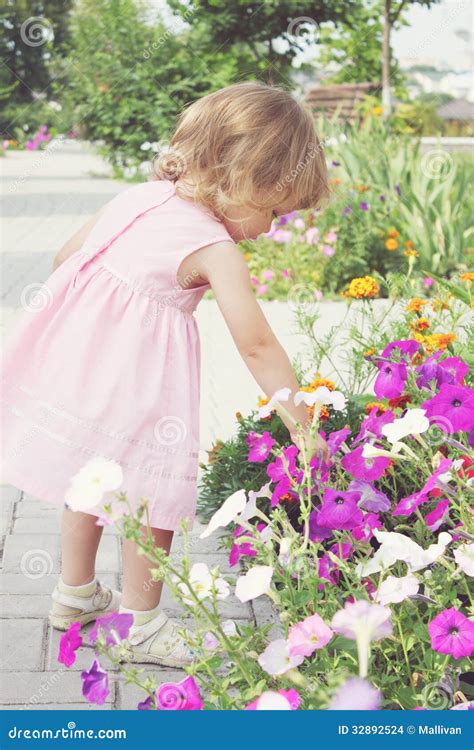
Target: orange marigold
[420,325]
[435,342]
[364,287]
[392,232]
[468,276]
[375,404]
[391,244]
[416,304]
[408,244]
[369,352]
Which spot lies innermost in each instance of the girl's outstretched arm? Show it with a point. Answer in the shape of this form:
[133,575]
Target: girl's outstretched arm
[227,272]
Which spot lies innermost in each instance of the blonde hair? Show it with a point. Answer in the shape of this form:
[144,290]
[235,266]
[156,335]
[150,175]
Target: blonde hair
[247,144]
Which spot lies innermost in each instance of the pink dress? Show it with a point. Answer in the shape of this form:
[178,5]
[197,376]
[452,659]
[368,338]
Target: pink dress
[108,362]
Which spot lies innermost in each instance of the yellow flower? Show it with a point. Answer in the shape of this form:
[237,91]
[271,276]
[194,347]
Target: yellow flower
[469,276]
[440,304]
[438,341]
[377,404]
[369,352]
[317,383]
[247,256]
[364,287]
[416,304]
[377,111]
[410,253]
[392,232]
[391,244]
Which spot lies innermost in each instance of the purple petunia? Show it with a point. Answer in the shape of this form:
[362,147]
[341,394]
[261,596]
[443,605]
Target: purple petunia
[365,530]
[391,379]
[370,498]
[437,516]
[339,510]
[95,684]
[407,347]
[453,406]
[433,373]
[69,643]
[347,210]
[407,505]
[373,423]
[114,626]
[364,206]
[359,467]
[260,446]
[452,633]
[336,439]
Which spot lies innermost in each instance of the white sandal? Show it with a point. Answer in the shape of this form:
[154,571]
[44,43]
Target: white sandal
[158,642]
[68,608]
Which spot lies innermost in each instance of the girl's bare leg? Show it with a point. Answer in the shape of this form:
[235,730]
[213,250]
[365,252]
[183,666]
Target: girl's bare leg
[80,537]
[139,591]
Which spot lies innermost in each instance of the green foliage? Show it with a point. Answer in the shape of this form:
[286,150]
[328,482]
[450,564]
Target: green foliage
[253,27]
[31,31]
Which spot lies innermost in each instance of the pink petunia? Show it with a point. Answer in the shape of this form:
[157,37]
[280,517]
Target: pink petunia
[359,467]
[307,636]
[452,633]
[260,446]
[69,643]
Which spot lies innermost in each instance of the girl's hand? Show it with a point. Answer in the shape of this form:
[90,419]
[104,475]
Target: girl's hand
[314,445]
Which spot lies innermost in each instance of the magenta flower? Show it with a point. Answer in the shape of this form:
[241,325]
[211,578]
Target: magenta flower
[181,696]
[364,206]
[328,568]
[347,210]
[280,467]
[307,636]
[356,694]
[452,633]
[454,404]
[365,530]
[114,626]
[405,348]
[433,373]
[339,510]
[317,533]
[437,517]
[369,497]
[364,468]
[291,695]
[407,505]
[373,423]
[69,643]
[391,379]
[336,439]
[260,446]
[95,684]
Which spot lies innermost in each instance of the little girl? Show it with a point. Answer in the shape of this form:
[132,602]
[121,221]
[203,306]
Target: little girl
[110,366]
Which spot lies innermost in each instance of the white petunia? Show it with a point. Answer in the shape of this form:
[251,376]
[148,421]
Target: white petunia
[395,590]
[210,641]
[395,546]
[272,701]
[254,583]
[414,422]
[283,394]
[320,397]
[276,659]
[228,511]
[201,581]
[464,556]
[87,488]
[284,553]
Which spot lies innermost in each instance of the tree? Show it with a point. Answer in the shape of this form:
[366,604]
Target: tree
[392,11]
[254,27]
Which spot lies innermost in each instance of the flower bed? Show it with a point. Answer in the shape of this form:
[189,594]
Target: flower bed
[354,553]
[392,208]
